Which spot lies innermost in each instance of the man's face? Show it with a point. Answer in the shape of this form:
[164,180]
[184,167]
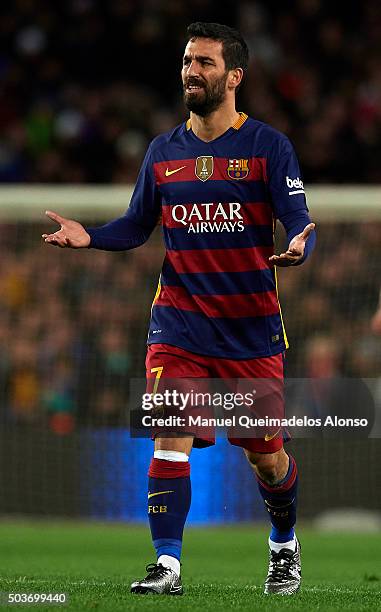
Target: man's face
[204,76]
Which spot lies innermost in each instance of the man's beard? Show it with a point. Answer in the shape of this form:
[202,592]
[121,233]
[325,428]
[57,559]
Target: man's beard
[208,99]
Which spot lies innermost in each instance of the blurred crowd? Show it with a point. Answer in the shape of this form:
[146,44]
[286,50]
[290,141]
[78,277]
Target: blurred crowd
[73,328]
[86,84]
[73,324]
[329,304]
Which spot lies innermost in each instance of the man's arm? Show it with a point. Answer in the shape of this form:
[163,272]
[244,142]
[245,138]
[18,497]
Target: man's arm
[301,238]
[121,234]
[289,204]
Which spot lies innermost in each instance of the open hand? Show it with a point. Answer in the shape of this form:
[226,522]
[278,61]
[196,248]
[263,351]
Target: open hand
[295,249]
[71,234]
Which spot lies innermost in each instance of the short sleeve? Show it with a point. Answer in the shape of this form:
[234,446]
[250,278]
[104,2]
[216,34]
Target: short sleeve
[284,179]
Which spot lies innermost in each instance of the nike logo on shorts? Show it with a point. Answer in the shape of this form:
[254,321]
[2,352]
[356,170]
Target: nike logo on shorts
[269,437]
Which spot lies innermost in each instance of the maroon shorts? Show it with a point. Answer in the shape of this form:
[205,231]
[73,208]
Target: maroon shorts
[166,362]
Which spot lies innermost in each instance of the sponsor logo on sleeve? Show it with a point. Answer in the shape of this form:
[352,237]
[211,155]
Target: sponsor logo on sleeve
[296,185]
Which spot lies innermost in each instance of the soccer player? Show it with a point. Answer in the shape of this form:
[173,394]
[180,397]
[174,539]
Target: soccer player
[218,182]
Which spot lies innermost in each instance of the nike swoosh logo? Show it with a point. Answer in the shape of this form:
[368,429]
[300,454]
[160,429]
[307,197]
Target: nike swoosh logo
[269,437]
[169,172]
[158,493]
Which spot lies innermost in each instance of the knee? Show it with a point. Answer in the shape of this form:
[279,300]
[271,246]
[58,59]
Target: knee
[182,444]
[269,466]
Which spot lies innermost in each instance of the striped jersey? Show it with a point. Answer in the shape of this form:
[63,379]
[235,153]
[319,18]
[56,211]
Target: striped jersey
[218,203]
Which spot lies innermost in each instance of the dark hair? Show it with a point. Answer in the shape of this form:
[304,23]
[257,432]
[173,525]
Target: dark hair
[234,48]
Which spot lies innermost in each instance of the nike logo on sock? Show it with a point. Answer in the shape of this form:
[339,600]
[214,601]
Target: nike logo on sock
[158,493]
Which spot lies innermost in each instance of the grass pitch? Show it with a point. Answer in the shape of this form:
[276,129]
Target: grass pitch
[223,568]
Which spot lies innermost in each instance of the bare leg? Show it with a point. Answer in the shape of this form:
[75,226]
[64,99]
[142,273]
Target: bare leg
[181,444]
[270,467]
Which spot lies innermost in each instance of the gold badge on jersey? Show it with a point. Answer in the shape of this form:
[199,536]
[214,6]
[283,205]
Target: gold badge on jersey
[204,167]
[238,168]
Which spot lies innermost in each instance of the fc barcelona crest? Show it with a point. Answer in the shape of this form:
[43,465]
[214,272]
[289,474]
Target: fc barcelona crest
[204,167]
[238,168]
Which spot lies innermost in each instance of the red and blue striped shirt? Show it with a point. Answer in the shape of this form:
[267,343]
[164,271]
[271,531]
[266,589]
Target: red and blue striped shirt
[218,202]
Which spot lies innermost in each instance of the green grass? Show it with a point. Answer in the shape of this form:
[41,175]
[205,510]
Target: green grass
[223,568]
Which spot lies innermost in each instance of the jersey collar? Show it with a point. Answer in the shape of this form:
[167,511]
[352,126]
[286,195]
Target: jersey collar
[236,125]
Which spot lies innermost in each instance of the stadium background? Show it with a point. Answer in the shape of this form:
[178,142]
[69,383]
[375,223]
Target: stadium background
[85,86]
